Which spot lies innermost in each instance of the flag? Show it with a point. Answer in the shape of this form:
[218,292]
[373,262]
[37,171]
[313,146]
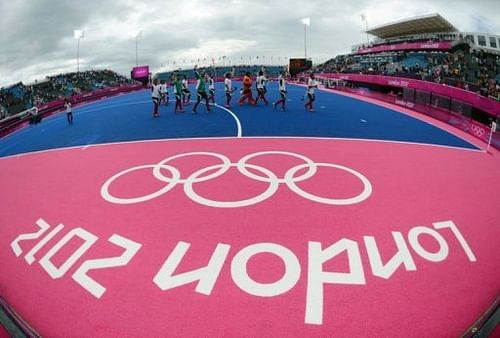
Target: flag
[306,21]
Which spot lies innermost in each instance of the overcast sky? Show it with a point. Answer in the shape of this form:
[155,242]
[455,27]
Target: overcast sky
[36,36]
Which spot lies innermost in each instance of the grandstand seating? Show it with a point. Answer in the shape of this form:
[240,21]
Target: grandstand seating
[414,60]
[476,71]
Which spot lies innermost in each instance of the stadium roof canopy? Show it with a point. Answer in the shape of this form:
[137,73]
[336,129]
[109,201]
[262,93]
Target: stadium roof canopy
[433,23]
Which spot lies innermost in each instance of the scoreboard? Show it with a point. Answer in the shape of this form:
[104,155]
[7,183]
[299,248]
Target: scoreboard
[141,74]
[298,65]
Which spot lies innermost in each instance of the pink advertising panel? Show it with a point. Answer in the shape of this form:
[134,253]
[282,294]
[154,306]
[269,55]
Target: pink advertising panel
[445,45]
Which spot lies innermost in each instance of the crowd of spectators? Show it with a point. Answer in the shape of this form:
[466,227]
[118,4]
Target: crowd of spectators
[20,97]
[475,71]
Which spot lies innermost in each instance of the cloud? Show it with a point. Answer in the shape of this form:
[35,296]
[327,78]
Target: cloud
[37,35]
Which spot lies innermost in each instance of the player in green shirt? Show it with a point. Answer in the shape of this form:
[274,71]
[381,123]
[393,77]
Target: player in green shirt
[201,89]
[177,84]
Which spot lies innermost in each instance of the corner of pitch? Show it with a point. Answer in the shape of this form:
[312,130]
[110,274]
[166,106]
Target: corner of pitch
[406,247]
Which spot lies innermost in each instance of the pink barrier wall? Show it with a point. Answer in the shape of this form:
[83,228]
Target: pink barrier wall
[446,45]
[480,102]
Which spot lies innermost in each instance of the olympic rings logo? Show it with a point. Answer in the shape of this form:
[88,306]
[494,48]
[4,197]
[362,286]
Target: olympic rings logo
[478,131]
[265,175]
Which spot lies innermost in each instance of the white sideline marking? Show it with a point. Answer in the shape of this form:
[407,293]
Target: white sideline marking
[248,137]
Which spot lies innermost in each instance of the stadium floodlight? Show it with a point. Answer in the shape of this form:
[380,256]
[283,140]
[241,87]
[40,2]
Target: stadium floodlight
[306,22]
[138,35]
[365,19]
[78,34]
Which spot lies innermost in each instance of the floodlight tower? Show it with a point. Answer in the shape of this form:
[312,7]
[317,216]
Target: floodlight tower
[306,22]
[78,34]
[365,19]
[139,35]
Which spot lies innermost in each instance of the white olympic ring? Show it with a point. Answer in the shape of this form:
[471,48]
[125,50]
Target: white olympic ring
[110,198]
[367,191]
[269,177]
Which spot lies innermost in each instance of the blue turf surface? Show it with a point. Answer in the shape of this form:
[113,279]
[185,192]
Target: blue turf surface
[128,117]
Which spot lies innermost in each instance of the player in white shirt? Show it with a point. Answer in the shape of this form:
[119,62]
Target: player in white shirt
[211,88]
[312,84]
[69,111]
[164,92]
[186,94]
[156,96]
[228,88]
[282,90]
[261,88]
